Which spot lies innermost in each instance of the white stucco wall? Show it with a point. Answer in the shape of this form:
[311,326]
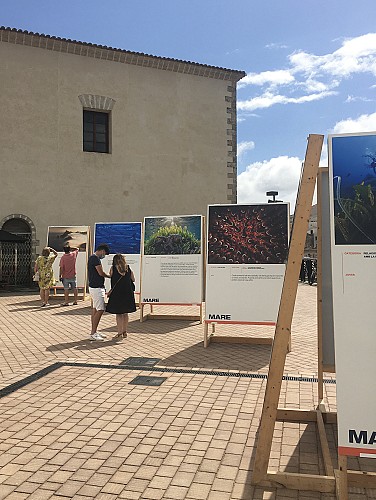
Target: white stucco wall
[169,149]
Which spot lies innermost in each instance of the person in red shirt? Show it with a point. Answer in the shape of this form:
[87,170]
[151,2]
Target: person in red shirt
[68,273]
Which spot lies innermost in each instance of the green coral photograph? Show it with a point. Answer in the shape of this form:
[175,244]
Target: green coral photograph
[180,235]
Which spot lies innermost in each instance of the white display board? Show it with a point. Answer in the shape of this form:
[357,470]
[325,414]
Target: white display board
[352,171]
[247,247]
[172,260]
[124,238]
[76,236]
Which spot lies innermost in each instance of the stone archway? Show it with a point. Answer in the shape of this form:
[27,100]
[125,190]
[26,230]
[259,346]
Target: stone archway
[17,259]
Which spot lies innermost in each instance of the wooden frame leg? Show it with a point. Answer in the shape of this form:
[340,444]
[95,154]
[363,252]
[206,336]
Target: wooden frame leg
[341,478]
[286,309]
[206,339]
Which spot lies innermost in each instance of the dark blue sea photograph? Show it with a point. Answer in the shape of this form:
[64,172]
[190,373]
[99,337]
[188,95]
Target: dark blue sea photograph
[173,235]
[124,238]
[354,184]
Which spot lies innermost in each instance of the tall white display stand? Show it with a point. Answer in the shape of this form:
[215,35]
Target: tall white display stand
[78,237]
[124,238]
[337,478]
[172,265]
[247,247]
[352,174]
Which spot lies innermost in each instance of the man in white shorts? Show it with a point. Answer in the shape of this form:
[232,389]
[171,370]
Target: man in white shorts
[97,291]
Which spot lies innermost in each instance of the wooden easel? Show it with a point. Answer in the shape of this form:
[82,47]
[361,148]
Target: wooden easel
[232,339]
[334,480]
[178,317]
[82,296]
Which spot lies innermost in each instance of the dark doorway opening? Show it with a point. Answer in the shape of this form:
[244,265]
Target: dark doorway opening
[16,257]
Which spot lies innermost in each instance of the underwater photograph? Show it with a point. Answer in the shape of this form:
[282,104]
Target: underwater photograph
[354,187]
[122,237]
[248,234]
[76,236]
[174,235]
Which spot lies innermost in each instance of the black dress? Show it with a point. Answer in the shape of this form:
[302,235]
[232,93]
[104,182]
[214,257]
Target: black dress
[121,299]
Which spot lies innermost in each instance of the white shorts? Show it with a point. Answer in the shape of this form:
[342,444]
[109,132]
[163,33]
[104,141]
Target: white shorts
[97,295]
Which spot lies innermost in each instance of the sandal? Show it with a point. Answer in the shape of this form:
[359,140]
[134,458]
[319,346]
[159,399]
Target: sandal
[120,336]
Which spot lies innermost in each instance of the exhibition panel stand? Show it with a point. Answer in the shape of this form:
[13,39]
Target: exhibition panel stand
[247,248]
[78,237]
[172,266]
[122,238]
[336,479]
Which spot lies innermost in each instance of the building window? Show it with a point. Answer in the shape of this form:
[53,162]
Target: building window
[96,131]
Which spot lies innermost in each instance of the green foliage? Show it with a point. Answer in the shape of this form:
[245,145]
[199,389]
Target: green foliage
[357,220]
[172,240]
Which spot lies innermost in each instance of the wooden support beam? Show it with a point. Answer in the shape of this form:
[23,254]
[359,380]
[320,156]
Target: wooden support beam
[359,479]
[206,335]
[295,481]
[296,415]
[228,339]
[341,479]
[177,317]
[320,385]
[286,309]
[329,470]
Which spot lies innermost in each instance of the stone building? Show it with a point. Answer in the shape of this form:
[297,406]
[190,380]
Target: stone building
[92,133]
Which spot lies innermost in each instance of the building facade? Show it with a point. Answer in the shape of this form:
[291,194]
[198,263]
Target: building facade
[92,133]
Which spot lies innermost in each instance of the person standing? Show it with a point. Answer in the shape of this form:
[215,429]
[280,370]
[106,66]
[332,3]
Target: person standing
[43,265]
[121,296]
[68,273]
[97,291]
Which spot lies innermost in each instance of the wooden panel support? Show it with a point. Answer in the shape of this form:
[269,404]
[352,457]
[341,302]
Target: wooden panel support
[176,317]
[286,309]
[341,479]
[320,371]
[295,481]
[228,339]
[328,464]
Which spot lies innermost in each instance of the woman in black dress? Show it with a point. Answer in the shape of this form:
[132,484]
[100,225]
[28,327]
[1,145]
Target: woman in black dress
[121,296]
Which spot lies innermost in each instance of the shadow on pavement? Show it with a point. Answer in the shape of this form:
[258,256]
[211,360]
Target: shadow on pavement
[82,345]
[222,357]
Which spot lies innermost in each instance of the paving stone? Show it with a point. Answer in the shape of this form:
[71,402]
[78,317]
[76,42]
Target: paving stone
[84,433]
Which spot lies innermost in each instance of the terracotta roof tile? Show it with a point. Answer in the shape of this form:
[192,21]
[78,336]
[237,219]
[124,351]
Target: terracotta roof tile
[41,40]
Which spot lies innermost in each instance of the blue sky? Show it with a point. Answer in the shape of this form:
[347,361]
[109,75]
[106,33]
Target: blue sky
[311,67]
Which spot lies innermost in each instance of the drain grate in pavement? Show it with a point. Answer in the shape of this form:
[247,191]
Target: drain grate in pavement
[5,391]
[146,362]
[144,380]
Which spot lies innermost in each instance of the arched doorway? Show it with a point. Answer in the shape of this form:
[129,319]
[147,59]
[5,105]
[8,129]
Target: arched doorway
[16,258]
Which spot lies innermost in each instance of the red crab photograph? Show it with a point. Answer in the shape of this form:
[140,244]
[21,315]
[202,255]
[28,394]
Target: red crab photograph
[248,234]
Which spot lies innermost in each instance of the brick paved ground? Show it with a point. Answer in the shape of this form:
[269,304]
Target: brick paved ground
[82,433]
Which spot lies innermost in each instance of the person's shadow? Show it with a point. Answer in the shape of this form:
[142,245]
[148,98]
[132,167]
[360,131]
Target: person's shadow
[81,345]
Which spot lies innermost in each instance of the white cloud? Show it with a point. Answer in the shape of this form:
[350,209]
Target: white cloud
[278,77]
[268,99]
[245,146]
[364,123]
[276,46]
[280,174]
[356,55]
[353,98]
[313,76]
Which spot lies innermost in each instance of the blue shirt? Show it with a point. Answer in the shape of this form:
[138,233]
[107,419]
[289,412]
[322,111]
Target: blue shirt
[95,280]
